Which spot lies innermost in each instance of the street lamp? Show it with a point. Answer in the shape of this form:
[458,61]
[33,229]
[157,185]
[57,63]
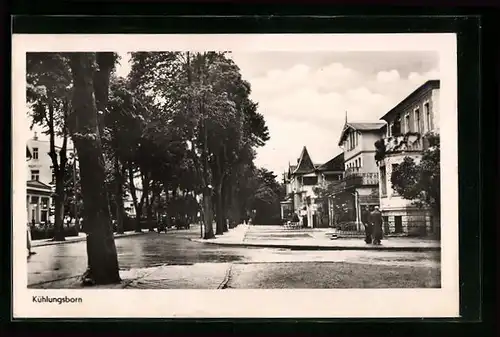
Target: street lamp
[356,206]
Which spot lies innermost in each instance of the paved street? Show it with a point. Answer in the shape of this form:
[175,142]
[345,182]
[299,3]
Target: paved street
[171,260]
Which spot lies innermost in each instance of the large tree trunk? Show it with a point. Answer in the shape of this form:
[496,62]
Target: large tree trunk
[101,249]
[219,211]
[226,202]
[144,197]
[207,214]
[149,208]
[59,208]
[120,209]
[59,168]
[137,205]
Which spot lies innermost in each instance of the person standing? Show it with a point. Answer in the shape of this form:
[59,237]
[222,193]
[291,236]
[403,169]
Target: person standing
[376,220]
[28,237]
[365,219]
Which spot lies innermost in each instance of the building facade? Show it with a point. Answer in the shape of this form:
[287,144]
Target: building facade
[405,136]
[301,180]
[40,179]
[359,187]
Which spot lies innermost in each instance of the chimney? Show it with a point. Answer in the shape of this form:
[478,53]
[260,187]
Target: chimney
[35,137]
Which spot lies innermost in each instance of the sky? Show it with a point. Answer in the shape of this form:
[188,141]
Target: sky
[304,96]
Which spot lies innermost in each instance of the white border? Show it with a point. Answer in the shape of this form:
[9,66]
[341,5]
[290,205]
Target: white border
[327,303]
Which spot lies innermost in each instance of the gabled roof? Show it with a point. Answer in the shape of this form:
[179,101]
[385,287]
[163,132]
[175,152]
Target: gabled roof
[334,164]
[38,184]
[429,85]
[305,164]
[365,126]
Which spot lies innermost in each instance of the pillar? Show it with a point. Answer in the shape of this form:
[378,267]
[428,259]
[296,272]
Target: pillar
[38,209]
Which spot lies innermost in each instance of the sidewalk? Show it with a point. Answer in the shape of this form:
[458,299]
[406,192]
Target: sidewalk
[79,238]
[196,276]
[313,239]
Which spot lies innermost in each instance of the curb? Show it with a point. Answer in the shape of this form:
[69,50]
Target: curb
[316,247]
[50,243]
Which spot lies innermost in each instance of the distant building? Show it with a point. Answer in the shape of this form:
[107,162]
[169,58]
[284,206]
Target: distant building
[407,124]
[39,166]
[332,172]
[300,182]
[359,186]
[41,179]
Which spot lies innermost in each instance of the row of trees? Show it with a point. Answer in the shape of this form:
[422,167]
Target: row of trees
[182,122]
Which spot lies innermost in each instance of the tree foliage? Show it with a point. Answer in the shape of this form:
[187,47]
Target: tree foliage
[420,182]
[48,92]
[205,126]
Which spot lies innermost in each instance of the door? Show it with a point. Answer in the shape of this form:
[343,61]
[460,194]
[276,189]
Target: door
[385,219]
[398,224]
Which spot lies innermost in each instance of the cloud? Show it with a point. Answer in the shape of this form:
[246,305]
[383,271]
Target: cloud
[417,78]
[388,76]
[306,106]
[304,96]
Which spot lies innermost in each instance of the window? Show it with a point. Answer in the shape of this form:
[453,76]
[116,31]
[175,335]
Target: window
[407,123]
[396,127]
[383,182]
[35,174]
[428,117]
[35,153]
[394,167]
[417,121]
[389,129]
[310,181]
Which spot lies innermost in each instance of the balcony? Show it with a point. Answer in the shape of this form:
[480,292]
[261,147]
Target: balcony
[355,179]
[361,179]
[410,142]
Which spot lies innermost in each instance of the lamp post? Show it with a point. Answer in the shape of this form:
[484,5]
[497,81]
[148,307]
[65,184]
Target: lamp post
[356,208]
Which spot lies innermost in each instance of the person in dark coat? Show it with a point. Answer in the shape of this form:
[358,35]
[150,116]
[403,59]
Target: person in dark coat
[365,219]
[376,220]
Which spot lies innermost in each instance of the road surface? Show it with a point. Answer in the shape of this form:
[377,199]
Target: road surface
[242,267]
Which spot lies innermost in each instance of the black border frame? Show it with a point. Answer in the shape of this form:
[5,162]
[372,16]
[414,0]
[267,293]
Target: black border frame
[471,161]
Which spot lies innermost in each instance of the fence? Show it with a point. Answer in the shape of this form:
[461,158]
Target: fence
[394,226]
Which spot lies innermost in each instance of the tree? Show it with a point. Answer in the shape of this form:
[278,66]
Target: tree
[73,205]
[266,197]
[49,88]
[91,73]
[124,127]
[342,202]
[420,182]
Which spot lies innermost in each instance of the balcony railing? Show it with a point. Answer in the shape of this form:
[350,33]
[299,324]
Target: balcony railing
[361,179]
[355,179]
[407,142]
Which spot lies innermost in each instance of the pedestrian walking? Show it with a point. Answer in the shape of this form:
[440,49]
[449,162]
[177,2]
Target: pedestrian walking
[376,220]
[365,219]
